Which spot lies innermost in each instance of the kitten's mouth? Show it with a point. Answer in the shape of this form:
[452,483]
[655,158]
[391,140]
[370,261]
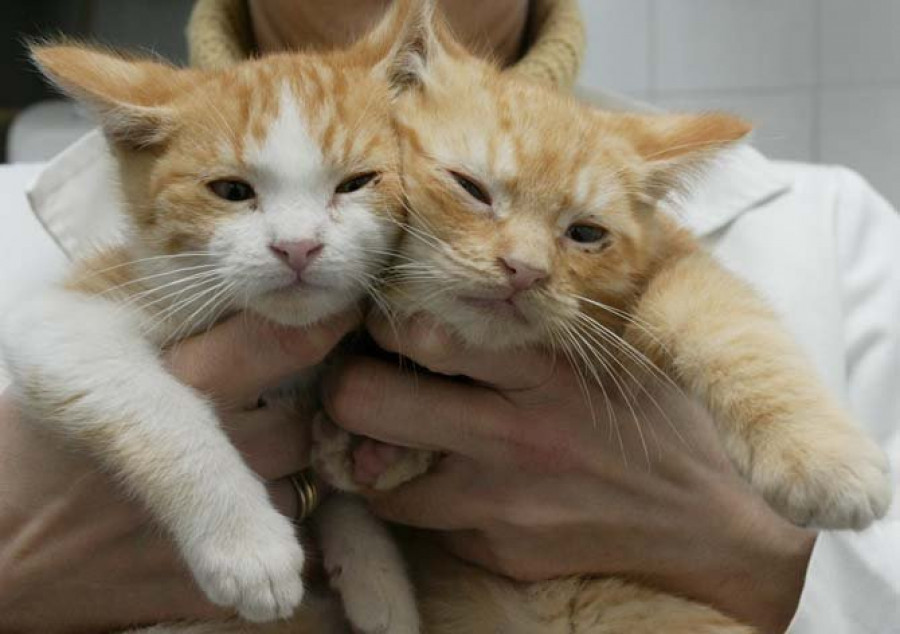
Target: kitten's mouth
[300,285]
[498,306]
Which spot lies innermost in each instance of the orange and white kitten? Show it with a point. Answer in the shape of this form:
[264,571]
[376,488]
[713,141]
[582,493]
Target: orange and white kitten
[540,217]
[271,186]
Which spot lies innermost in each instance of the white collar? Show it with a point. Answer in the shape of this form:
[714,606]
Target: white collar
[76,196]
[739,181]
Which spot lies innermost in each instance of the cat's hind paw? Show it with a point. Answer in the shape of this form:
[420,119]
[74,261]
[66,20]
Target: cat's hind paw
[376,605]
[351,463]
[366,569]
[384,467]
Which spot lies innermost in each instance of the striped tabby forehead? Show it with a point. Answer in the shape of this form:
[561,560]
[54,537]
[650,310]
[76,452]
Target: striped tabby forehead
[344,112]
[537,149]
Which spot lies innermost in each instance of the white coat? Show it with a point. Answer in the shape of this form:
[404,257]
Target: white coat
[818,241]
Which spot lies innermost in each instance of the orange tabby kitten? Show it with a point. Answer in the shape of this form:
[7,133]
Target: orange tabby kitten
[272,186]
[539,213]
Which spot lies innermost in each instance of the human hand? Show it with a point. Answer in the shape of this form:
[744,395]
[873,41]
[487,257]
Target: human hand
[76,555]
[532,489]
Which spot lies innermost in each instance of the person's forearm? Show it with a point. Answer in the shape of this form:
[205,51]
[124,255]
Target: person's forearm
[494,29]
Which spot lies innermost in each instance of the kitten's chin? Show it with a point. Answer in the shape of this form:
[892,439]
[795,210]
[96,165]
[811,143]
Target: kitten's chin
[489,329]
[302,308]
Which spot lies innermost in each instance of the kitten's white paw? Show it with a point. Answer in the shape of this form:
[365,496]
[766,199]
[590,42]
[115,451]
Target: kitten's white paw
[365,568]
[376,602]
[833,480]
[254,567]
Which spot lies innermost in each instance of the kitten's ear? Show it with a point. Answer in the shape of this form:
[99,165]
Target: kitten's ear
[678,147]
[131,97]
[409,44]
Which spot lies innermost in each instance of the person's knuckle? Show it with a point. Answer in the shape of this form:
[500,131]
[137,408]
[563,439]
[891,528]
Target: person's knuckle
[355,391]
[535,450]
[384,331]
[432,348]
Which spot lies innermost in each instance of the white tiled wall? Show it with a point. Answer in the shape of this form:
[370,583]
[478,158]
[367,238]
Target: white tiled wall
[820,78]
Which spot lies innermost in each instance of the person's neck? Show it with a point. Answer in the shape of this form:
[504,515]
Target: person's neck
[493,29]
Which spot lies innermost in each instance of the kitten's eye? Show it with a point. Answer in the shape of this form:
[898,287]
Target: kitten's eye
[355,183]
[472,188]
[233,191]
[585,234]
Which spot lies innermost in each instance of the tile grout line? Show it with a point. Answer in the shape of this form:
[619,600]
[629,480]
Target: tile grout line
[652,51]
[816,92]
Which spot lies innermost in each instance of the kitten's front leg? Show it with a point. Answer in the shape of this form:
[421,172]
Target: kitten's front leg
[781,427]
[365,567]
[84,373]
[363,564]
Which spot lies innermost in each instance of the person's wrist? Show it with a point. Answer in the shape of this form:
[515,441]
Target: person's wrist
[783,598]
[726,546]
[762,560]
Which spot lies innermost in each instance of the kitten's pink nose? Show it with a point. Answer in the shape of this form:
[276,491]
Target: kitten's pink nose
[297,255]
[522,276]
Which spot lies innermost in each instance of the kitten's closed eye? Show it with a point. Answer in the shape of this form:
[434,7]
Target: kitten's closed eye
[355,183]
[475,190]
[232,190]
